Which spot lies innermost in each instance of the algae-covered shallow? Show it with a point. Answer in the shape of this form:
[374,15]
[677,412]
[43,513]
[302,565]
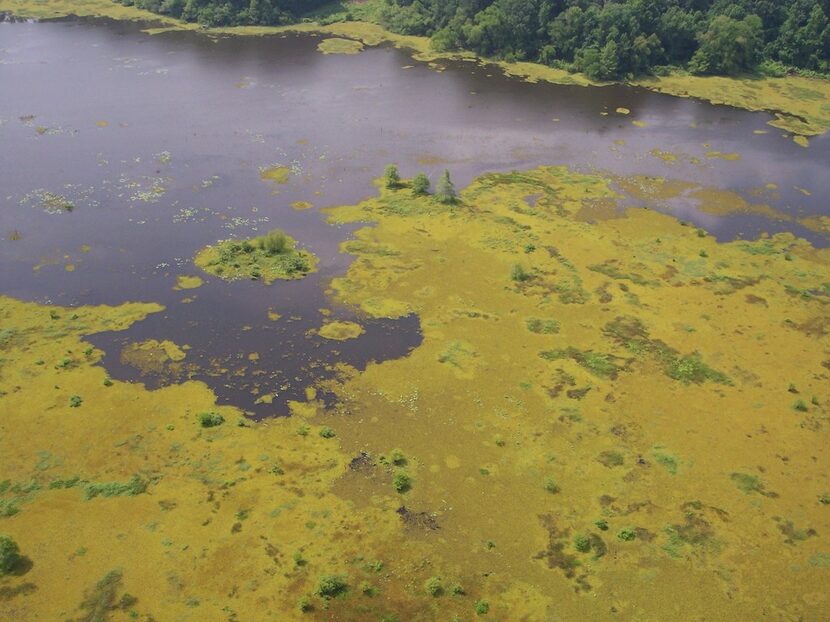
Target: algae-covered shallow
[593,387]
[340,331]
[337,45]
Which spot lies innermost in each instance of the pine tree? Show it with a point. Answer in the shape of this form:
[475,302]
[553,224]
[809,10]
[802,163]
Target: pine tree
[445,190]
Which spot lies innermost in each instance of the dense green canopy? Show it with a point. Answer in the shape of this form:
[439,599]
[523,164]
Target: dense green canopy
[231,12]
[615,38]
[606,39]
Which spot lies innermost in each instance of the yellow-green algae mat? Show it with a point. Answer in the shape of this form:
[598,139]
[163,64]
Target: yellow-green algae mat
[617,420]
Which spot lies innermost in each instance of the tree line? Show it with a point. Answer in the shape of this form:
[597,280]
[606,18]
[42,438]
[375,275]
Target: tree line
[605,39]
[231,12]
[612,39]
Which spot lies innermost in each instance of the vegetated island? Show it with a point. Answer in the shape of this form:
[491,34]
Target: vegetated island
[759,56]
[265,258]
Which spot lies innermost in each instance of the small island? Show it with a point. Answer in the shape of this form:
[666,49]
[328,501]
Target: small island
[340,331]
[269,257]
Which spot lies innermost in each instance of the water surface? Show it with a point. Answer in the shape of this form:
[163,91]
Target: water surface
[158,142]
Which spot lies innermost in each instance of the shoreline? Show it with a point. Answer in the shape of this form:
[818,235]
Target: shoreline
[784,98]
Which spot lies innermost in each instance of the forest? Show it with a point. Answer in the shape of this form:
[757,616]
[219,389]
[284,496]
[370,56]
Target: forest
[605,39]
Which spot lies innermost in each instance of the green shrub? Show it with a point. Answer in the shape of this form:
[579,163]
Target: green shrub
[801,406]
[9,554]
[482,607]
[210,419]
[8,508]
[401,481]
[518,273]
[274,243]
[420,185]
[397,457]
[327,432]
[551,486]
[582,543]
[543,327]
[331,585]
[75,401]
[432,586]
[627,534]
[391,176]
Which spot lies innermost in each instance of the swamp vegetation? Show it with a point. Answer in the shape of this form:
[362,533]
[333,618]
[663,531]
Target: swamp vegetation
[610,411]
[268,257]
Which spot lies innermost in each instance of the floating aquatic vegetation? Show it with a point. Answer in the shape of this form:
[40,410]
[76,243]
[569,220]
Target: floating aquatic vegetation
[207,183]
[144,189]
[188,282]
[71,196]
[277,173]
[336,45]
[159,360]
[236,222]
[191,214]
[49,201]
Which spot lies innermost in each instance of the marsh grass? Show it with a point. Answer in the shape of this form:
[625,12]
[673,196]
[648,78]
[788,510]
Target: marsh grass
[750,484]
[100,600]
[689,369]
[598,363]
[135,486]
[519,274]
[542,326]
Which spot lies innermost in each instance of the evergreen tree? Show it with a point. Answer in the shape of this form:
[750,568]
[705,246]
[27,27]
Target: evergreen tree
[445,190]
